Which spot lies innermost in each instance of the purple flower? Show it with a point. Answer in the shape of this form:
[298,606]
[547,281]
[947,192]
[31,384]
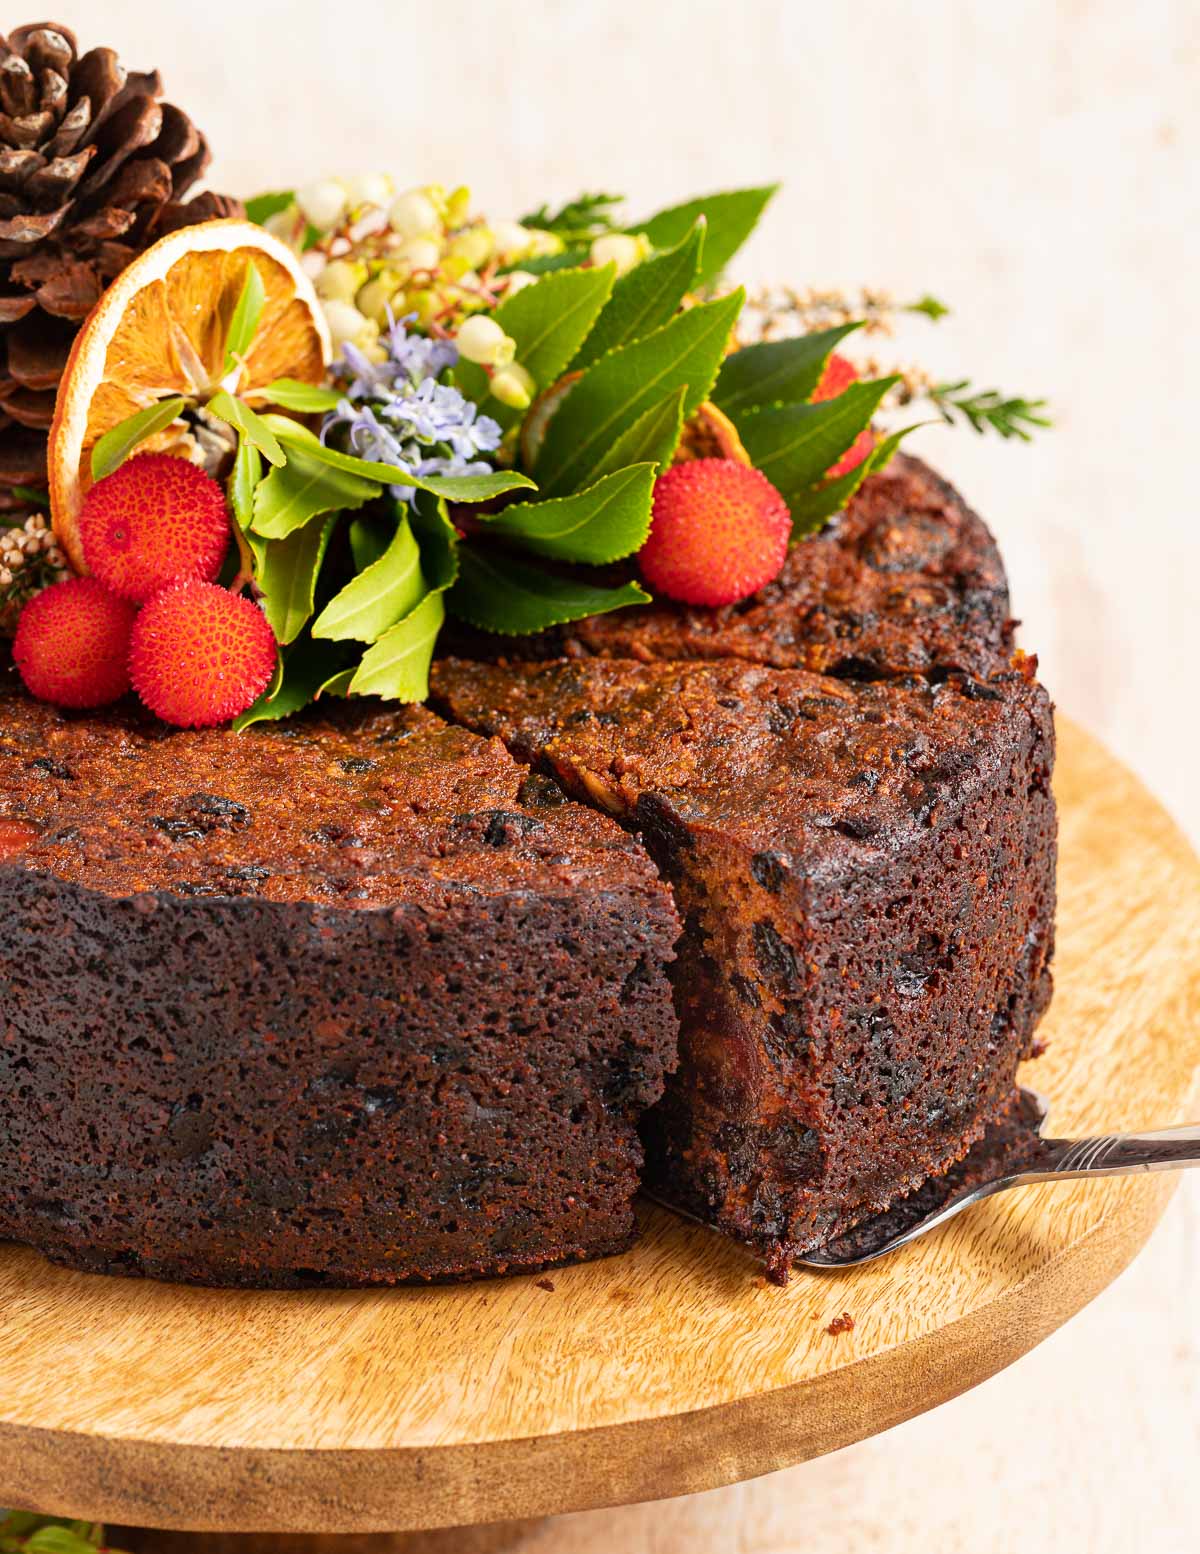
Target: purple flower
[397,412]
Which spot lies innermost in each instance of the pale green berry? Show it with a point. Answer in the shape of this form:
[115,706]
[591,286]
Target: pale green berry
[341,280]
[514,386]
[542,244]
[420,253]
[512,240]
[323,203]
[619,248]
[367,189]
[374,298]
[481,339]
[474,245]
[456,205]
[518,281]
[282,224]
[413,215]
[346,323]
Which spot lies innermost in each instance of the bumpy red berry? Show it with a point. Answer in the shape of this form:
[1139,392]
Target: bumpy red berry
[200,655]
[839,374]
[154,521]
[72,644]
[719,532]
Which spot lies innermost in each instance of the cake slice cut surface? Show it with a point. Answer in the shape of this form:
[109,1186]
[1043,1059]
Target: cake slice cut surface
[865,875]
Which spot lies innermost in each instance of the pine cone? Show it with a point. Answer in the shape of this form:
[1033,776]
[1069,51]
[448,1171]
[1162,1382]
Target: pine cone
[93,168]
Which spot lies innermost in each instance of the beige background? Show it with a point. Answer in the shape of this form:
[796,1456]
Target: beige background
[1036,164]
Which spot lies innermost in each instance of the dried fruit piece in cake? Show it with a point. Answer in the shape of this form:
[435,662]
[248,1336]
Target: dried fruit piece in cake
[865,875]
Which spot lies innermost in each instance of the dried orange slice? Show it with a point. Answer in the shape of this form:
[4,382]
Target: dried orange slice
[160,330]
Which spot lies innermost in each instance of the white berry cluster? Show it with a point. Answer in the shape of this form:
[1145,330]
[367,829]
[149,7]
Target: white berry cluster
[30,559]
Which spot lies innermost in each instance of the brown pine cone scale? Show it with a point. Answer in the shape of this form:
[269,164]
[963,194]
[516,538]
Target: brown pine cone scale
[93,169]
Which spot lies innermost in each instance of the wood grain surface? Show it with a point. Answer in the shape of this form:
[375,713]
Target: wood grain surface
[670,1370]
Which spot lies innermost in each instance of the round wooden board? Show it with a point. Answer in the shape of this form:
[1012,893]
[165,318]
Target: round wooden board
[670,1370]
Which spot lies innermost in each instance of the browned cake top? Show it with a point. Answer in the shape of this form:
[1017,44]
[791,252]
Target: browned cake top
[828,770]
[357,807]
[907,579]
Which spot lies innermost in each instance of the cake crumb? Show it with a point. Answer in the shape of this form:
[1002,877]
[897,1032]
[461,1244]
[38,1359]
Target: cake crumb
[842,1324]
[545,1284]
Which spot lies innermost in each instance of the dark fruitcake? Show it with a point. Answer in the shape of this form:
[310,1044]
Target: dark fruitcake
[351,999]
[906,580]
[865,875]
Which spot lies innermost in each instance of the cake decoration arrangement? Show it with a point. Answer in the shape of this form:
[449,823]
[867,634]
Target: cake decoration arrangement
[494,721]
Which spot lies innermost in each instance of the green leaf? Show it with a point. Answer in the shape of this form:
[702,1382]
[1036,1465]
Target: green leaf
[645,298]
[438,539]
[933,310]
[247,423]
[287,576]
[379,596]
[776,372]
[305,398]
[262,207]
[731,218]
[549,321]
[370,535]
[586,216]
[652,438]
[304,487]
[116,445]
[33,495]
[338,684]
[242,485]
[545,264]
[811,509]
[618,389]
[58,1540]
[497,592]
[455,488]
[244,323]
[307,666]
[397,666]
[604,523]
[793,445]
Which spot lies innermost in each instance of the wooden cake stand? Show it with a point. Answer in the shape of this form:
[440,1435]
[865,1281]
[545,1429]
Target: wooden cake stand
[671,1370]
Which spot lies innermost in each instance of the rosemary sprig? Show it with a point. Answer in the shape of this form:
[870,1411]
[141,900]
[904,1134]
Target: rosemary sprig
[989,410]
[580,219]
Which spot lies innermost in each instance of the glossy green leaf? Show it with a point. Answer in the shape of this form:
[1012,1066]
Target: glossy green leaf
[384,593]
[262,207]
[645,298]
[813,508]
[306,668]
[776,372]
[455,488]
[117,444]
[651,439]
[303,488]
[304,398]
[606,522]
[397,666]
[247,423]
[287,576]
[370,535]
[617,390]
[438,539]
[240,489]
[498,592]
[731,217]
[793,445]
[246,315]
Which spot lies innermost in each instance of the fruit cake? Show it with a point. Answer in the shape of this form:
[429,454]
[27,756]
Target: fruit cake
[865,875]
[352,998]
